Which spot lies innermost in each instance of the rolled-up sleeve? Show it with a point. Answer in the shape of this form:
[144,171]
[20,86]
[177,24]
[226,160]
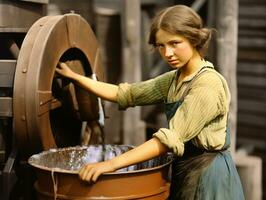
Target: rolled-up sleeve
[144,93]
[124,99]
[202,105]
[171,140]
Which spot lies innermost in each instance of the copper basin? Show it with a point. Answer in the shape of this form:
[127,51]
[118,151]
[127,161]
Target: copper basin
[57,177]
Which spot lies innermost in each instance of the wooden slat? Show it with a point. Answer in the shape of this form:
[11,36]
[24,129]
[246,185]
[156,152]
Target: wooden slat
[251,55]
[246,32]
[251,68]
[249,119]
[252,11]
[37,1]
[252,23]
[252,42]
[13,30]
[5,107]
[7,72]
[14,14]
[255,133]
[258,144]
[251,93]
[251,81]
[252,2]
[252,106]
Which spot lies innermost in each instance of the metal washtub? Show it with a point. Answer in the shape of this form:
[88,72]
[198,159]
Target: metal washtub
[57,175]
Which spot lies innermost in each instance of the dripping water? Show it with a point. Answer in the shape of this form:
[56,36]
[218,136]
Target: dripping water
[101,116]
[54,179]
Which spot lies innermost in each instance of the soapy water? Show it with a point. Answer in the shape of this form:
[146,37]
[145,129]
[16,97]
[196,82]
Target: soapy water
[73,158]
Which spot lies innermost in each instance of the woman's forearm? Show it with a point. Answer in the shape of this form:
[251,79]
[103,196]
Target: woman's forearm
[104,90]
[148,150]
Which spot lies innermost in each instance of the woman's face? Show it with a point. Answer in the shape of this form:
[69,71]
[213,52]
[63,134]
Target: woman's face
[175,49]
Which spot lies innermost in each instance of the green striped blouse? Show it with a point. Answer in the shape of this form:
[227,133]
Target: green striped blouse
[202,117]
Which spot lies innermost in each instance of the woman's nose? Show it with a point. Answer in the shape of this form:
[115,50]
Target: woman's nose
[168,52]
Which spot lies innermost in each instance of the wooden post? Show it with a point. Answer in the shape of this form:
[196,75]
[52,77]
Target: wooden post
[227,26]
[133,127]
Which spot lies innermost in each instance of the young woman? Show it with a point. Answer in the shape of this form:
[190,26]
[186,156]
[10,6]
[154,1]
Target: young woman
[196,99]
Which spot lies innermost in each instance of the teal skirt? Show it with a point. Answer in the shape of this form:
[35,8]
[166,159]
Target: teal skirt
[201,175]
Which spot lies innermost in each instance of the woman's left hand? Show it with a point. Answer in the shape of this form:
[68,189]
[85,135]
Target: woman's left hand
[64,70]
[91,172]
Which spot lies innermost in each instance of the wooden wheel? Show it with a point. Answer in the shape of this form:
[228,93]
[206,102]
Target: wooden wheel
[48,110]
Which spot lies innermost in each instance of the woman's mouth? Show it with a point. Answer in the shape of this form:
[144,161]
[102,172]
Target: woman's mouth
[173,62]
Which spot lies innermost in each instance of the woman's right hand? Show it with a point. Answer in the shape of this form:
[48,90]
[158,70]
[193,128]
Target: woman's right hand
[91,172]
[64,70]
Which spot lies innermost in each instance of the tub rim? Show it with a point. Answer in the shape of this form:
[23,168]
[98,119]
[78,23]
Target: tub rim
[60,170]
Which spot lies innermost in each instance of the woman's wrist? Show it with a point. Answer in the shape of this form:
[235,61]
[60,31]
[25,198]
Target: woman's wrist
[76,77]
[114,163]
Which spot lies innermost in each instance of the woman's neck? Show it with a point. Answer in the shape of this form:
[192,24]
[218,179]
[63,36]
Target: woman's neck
[193,65]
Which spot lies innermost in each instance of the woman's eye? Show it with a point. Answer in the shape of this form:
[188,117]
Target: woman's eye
[159,46]
[175,43]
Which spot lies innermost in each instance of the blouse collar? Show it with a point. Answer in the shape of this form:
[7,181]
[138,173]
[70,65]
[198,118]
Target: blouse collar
[191,76]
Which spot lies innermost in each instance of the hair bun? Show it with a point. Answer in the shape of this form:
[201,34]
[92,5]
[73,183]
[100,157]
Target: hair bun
[204,36]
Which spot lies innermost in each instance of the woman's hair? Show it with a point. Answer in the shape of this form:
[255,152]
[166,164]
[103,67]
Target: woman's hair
[182,20]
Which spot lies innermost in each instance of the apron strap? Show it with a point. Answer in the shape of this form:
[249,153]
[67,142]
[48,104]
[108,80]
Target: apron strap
[191,82]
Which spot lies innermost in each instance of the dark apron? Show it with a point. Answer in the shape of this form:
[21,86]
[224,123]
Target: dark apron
[194,174]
